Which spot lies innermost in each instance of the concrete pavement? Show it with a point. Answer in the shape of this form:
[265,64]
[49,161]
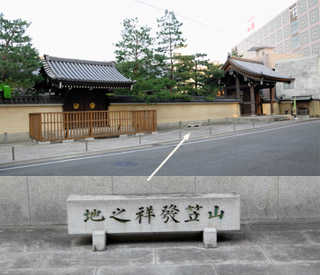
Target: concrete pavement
[277,247]
[30,151]
[269,247]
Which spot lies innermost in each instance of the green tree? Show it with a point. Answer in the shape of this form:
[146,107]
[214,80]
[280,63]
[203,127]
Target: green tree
[135,59]
[193,73]
[236,54]
[213,76]
[19,60]
[134,52]
[169,41]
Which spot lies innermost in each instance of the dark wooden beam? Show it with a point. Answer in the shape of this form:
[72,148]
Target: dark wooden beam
[238,86]
[253,107]
[246,87]
[271,101]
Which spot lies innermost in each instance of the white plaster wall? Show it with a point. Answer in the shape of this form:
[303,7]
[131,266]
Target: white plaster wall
[306,71]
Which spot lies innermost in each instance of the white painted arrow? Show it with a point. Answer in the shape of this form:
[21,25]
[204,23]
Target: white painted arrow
[186,137]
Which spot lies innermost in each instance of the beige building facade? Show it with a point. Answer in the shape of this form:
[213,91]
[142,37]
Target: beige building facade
[293,31]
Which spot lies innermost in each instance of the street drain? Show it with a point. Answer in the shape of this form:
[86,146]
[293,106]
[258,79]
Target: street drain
[125,164]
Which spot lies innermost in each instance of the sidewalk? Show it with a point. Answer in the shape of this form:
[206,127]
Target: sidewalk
[274,247]
[26,151]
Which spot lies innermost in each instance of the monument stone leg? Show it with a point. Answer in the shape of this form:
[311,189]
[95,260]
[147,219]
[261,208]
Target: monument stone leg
[99,240]
[210,238]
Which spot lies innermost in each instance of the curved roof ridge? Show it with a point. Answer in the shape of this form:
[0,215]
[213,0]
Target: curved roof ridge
[246,60]
[73,60]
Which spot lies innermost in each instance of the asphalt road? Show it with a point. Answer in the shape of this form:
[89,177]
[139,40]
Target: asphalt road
[288,151]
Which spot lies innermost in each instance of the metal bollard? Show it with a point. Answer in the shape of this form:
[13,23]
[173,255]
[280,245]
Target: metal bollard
[13,157]
[179,133]
[210,130]
[86,145]
[5,137]
[227,121]
[234,125]
[139,139]
[252,123]
[269,122]
[180,124]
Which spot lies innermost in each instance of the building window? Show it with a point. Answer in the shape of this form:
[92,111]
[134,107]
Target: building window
[287,86]
[294,27]
[295,42]
[293,12]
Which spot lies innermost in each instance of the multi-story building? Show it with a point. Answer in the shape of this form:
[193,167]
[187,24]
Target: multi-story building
[294,31]
[281,44]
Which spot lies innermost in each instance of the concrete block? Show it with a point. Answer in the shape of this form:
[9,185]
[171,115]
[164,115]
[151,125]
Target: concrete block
[157,185]
[48,195]
[153,213]
[259,195]
[123,136]
[154,133]
[43,142]
[140,134]
[195,124]
[299,197]
[91,138]
[14,202]
[210,238]
[99,240]
[68,140]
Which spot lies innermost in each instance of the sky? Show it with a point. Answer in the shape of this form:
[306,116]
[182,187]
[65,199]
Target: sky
[89,29]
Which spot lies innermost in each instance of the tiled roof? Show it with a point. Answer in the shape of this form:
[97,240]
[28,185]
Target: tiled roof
[31,100]
[83,72]
[255,68]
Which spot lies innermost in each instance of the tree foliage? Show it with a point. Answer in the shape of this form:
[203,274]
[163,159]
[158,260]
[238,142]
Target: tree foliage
[135,48]
[135,58]
[160,71]
[19,60]
[169,38]
[236,54]
[194,73]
